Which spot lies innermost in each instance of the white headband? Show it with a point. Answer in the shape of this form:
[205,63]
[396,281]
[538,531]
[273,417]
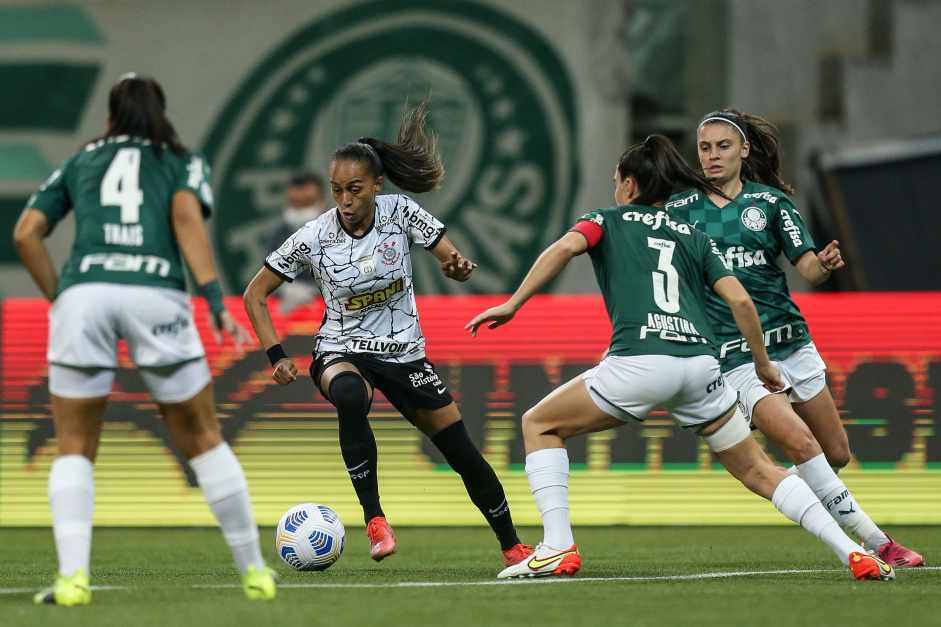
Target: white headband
[727,121]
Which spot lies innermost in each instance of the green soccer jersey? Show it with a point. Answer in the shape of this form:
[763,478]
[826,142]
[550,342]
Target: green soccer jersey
[121,193]
[651,271]
[751,232]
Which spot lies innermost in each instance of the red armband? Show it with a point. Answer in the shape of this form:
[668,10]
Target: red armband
[590,230]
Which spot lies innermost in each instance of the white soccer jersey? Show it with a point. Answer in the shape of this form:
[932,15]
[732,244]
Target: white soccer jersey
[365,280]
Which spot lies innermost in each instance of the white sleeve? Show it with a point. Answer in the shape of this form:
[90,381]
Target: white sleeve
[420,226]
[294,256]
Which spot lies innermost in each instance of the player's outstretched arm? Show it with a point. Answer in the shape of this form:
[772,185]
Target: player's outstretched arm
[746,317]
[256,305]
[454,265]
[189,229]
[816,268]
[549,264]
[28,237]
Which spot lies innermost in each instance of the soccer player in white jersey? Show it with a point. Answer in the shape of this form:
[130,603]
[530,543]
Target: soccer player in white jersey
[651,271]
[370,338]
[140,199]
[752,224]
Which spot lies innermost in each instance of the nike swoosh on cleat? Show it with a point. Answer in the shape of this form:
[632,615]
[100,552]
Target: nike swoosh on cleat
[536,564]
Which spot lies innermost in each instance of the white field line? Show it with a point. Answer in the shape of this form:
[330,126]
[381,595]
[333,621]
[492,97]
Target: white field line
[496,582]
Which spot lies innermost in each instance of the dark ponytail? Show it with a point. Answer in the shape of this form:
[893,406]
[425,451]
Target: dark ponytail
[762,165]
[137,108]
[660,171]
[413,163]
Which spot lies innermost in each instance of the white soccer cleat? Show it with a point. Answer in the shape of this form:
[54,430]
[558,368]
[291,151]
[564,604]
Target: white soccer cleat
[545,561]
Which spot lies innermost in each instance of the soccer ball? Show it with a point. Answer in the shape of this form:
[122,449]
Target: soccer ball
[310,537]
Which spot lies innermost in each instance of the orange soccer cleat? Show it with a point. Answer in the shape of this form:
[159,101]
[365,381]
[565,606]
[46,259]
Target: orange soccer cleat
[516,554]
[381,538]
[866,566]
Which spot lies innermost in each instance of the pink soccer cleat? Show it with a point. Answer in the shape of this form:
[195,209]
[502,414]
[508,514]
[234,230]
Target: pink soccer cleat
[898,556]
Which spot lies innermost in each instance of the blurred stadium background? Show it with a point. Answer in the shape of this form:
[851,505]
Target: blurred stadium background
[533,103]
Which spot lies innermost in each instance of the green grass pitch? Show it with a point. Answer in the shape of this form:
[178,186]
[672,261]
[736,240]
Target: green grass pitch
[635,576]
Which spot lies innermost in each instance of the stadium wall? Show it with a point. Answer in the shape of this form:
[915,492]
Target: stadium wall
[883,352]
[522,102]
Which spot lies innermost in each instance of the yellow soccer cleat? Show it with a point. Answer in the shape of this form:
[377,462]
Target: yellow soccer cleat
[260,584]
[72,590]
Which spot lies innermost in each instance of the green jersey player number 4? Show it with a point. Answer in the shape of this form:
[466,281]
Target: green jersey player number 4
[121,192]
[140,199]
[653,271]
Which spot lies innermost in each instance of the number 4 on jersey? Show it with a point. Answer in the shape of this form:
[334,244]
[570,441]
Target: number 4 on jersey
[120,186]
[666,280]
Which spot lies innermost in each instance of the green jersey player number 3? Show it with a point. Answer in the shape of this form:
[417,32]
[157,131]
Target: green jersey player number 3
[660,311]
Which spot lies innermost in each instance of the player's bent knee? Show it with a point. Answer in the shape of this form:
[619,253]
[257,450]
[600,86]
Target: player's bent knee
[838,459]
[735,430]
[348,388]
[534,423]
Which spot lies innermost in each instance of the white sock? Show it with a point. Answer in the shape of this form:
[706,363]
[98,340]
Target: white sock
[548,474]
[794,499]
[72,502]
[834,495]
[225,488]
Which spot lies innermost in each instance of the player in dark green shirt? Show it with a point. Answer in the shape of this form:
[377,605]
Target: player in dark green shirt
[752,223]
[652,271]
[140,200]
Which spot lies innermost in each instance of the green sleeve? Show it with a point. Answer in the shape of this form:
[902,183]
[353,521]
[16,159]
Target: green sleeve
[194,177]
[790,231]
[53,197]
[714,265]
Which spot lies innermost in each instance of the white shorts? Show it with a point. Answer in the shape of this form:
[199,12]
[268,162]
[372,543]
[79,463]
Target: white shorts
[804,374]
[166,384]
[691,388]
[87,320]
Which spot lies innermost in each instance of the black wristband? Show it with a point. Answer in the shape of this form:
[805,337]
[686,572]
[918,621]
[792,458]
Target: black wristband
[276,353]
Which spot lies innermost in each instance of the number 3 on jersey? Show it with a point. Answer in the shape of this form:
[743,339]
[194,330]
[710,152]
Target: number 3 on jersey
[666,280]
[120,186]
